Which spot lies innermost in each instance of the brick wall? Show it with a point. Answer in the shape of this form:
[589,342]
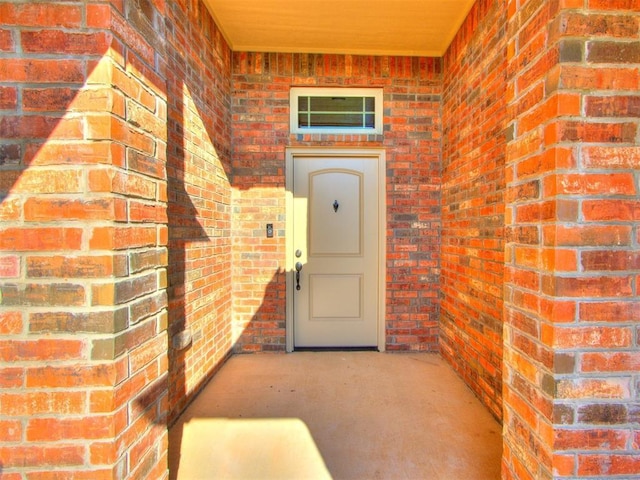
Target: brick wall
[474,119]
[116,143]
[412,89]
[87,172]
[571,293]
[83,313]
[199,199]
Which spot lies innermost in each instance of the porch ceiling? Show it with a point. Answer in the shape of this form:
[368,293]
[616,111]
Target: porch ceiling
[364,27]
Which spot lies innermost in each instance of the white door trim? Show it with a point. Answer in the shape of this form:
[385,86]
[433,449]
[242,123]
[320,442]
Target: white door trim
[379,154]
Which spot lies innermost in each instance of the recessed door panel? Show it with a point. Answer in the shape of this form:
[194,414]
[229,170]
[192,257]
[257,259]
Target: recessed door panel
[336,243]
[335,198]
[335,297]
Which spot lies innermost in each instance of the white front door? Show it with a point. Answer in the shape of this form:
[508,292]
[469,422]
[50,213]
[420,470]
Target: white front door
[336,248]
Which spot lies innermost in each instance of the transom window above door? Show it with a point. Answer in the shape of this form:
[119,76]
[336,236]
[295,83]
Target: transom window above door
[336,110]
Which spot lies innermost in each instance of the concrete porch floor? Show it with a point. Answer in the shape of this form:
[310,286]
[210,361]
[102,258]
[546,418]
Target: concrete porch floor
[341,415]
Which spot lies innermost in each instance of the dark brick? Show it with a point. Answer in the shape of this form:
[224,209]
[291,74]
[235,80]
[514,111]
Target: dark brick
[603,413]
[564,363]
[603,51]
[571,50]
[549,385]
[10,154]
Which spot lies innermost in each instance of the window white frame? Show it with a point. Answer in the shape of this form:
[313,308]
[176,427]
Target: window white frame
[297,92]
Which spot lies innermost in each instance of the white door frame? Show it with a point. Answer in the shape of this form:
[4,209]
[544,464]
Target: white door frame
[379,154]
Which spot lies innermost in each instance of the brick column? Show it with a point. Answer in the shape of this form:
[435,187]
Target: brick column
[82,241]
[571,283]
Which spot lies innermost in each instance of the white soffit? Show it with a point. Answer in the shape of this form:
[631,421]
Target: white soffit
[371,27]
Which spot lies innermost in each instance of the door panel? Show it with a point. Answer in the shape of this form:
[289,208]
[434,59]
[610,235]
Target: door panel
[336,234]
[335,297]
[344,216]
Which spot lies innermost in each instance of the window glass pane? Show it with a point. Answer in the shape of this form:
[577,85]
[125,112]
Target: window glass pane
[303,120]
[336,104]
[370,120]
[336,120]
[370,104]
[303,104]
[321,104]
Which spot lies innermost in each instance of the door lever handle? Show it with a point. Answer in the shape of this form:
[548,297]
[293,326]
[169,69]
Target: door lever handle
[298,268]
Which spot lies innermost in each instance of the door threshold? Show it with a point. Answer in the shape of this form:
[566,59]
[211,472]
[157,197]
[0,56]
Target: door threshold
[335,349]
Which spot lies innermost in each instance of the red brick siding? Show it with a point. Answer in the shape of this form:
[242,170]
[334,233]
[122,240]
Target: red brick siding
[474,119]
[411,138]
[83,242]
[199,199]
[571,277]
[595,387]
[528,353]
[88,169]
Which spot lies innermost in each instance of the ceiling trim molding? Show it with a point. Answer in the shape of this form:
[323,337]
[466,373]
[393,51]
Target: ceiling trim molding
[336,51]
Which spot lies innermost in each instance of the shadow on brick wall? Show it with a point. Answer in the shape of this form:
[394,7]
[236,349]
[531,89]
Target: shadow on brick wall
[198,201]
